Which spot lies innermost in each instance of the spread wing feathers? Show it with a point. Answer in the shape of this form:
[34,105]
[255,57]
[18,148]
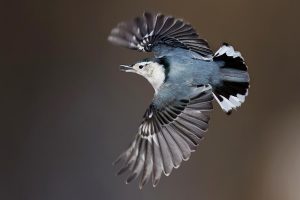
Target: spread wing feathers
[145,32]
[165,138]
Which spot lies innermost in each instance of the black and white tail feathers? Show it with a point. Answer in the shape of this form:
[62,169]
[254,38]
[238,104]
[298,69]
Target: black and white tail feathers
[233,88]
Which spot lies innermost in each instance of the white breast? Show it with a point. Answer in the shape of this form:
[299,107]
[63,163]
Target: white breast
[155,75]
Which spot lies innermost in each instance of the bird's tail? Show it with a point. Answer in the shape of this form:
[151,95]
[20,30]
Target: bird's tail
[230,93]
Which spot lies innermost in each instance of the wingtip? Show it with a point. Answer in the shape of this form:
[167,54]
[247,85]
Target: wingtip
[115,162]
[141,186]
[185,159]
[177,166]
[131,178]
[110,38]
[121,171]
[147,12]
[167,174]
[155,183]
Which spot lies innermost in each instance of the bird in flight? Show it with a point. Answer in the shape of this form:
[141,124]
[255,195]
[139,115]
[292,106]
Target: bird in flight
[186,76]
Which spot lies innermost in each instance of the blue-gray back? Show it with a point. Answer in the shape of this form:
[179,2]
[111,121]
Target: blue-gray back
[185,73]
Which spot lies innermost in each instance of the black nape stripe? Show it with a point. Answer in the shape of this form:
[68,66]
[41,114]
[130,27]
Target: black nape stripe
[166,64]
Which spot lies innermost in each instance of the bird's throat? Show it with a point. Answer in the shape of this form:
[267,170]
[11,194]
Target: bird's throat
[157,77]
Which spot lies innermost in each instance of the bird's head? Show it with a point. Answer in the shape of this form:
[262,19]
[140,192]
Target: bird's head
[155,71]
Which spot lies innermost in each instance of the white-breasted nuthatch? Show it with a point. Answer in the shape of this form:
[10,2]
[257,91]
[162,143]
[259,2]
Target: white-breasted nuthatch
[186,77]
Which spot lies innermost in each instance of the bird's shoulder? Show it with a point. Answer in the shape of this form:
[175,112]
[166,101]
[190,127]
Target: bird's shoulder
[171,92]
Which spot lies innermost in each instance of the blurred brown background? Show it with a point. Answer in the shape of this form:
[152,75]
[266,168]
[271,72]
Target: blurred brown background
[67,111]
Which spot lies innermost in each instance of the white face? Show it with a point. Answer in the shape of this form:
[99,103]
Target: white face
[152,71]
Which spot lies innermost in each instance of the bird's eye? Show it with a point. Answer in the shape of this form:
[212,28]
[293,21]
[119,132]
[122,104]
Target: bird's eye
[141,66]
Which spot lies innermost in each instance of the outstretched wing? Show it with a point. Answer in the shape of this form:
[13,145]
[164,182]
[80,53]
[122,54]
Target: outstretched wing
[166,137]
[151,30]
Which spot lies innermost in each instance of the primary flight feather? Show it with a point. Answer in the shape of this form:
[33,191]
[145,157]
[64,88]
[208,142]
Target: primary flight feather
[186,76]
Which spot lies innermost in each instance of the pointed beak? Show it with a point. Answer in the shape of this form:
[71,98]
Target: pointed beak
[126,68]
